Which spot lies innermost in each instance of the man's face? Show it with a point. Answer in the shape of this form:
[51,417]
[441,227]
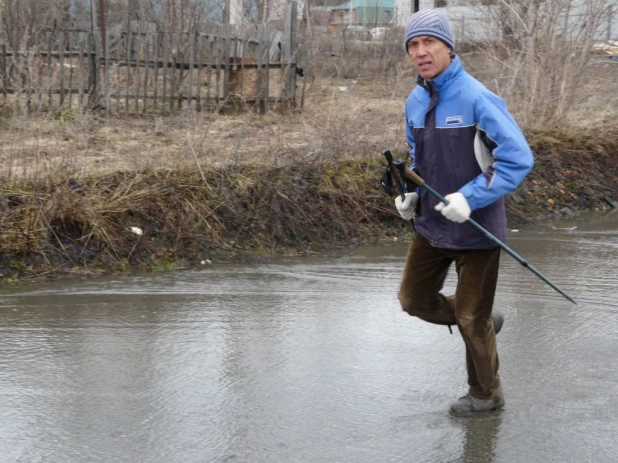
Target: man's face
[430,56]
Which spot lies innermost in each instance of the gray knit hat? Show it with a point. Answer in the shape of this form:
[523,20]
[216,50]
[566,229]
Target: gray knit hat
[429,22]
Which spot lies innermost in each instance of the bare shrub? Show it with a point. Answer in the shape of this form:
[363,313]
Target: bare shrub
[539,56]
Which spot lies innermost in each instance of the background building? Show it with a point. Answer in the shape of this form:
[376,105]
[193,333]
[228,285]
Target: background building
[477,19]
[368,13]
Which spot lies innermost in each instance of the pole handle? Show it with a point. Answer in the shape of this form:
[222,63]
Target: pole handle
[412,176]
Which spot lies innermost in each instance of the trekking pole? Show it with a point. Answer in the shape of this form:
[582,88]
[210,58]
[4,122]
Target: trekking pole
[405,172]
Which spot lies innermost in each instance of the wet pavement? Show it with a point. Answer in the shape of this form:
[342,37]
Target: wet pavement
[310,360]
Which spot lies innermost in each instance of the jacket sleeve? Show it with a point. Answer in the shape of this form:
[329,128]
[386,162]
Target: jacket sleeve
[512,157]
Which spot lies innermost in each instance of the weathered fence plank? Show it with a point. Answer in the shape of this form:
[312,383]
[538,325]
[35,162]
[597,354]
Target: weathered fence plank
[137,49]
[260,52]
[70,76]
[155,73]
[291,47]
[190,76]
[165,69]
[14,65]
[93,69]
[243,57]
[128,82]
[200,63]
[37,58]
[181,79]
[107,77]
[174,66]
[49,68]
[227,30]
[209,56]
[81,76]
[267,48]
[147,57]
[218,66]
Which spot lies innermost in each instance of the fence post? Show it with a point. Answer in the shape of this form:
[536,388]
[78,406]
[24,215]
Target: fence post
[174,57]
[267,36]
[81,74]
[49,70]
[228,35]
[258,60]
[191,37]
[107,90]
[166,40]
[61,67]
[200,46]
[39,84]
[14,74]
[290,48]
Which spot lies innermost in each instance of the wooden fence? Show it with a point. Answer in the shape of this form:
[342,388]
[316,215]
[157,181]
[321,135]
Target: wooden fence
[142,72]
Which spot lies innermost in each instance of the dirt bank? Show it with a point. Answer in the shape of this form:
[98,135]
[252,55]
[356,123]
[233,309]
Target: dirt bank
[163,219]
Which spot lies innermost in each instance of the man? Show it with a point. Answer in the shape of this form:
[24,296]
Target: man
[465,144]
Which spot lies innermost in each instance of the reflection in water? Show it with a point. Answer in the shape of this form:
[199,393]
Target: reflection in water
[480,435]
[309,361]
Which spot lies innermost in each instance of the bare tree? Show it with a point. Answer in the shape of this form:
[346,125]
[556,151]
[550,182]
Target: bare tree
[540,58]
[23,19]
[181,15]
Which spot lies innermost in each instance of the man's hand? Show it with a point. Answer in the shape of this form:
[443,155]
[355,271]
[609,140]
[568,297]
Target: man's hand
[407,208]
[458,209]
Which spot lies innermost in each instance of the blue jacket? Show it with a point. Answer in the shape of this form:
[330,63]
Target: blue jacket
[463,138]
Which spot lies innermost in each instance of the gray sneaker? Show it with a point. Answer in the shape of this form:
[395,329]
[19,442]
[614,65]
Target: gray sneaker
[469,405]
[498,318]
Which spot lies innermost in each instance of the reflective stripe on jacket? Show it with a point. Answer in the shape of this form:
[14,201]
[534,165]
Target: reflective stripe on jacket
[463,138]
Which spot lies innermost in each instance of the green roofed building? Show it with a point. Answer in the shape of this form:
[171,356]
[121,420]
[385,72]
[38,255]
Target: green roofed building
[364,12]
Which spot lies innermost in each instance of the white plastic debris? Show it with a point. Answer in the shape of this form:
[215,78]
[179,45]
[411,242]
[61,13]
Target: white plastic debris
[138,231]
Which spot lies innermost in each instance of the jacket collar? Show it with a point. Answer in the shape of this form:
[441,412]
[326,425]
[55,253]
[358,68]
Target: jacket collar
[454,69]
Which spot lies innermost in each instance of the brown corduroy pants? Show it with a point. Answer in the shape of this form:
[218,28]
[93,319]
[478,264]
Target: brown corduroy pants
[469,308]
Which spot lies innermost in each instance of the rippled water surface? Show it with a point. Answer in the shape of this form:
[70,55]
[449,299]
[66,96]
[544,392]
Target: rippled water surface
[310,360]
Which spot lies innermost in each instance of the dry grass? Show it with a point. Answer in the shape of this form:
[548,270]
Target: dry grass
[229,212]
[355,122]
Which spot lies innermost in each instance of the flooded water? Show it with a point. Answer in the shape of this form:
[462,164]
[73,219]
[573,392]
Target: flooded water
[310,360]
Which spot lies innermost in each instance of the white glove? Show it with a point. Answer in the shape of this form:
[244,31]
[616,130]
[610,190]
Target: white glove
[458,209]
[407,208]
